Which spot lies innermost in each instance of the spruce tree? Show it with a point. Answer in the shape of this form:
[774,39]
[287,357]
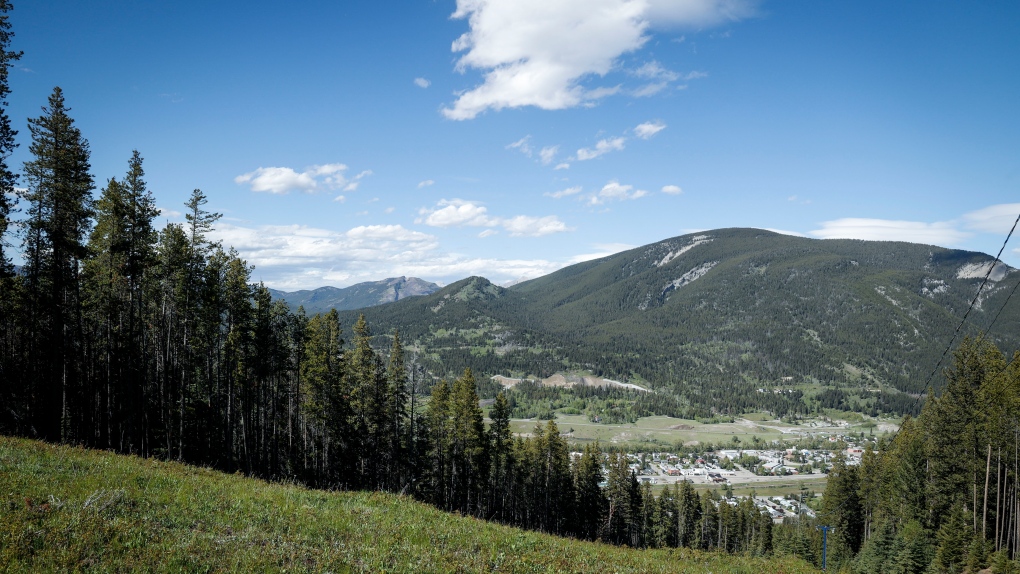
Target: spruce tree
[591,501]
[397,471]
[501,460]
[58,195]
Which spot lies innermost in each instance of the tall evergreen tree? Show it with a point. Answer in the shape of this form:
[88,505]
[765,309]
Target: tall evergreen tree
[591,501]
[501,460]
[58,195]
[325,429]
[468,456]
[397,471]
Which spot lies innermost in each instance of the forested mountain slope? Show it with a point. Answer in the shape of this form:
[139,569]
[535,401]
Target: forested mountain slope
[718,314]
[356,296]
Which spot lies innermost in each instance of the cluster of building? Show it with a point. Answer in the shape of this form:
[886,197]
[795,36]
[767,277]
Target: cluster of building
[722,465]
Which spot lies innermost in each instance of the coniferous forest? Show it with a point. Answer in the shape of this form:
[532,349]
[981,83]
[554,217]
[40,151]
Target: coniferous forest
[119,336]
[155,342]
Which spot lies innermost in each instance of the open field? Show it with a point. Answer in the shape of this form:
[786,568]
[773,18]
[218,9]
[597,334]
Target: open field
[666,432]
[70,509]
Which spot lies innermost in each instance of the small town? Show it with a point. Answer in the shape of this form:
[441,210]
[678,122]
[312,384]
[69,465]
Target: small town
[746,468]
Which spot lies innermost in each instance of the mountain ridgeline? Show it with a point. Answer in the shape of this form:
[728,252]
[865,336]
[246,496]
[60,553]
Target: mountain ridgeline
[357,296]
[720,320]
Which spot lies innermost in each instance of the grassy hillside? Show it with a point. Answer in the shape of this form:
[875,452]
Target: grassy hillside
[69,509]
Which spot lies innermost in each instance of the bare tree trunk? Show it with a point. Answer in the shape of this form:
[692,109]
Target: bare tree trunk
[984,514]
[998,490]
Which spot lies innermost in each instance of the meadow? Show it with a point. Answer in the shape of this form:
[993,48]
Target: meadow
[71,509]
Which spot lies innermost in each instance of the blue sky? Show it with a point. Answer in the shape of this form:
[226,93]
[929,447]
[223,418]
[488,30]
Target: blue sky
[353,141]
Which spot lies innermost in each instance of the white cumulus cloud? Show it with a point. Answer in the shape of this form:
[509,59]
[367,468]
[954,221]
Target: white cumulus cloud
[540,53]
[456,213]
[460,213]
[649,129]
[422,83]
[528,226]
[281,180]
[672,189]
[615,191]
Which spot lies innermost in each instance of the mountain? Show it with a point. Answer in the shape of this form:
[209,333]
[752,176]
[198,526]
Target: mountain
[725,317]
[366,294]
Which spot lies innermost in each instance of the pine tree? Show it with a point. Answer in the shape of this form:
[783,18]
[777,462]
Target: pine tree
[618,516]
[688,516]
[468,460]
[324,402]
[437,430]
[591,500]
[501,462]
[397,471]
[954,538]
[58,195]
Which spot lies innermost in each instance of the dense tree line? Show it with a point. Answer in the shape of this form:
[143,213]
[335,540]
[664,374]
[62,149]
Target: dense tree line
[536,482]
[942,494]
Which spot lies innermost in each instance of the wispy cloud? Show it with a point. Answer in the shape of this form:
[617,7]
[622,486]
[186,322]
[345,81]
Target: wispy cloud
[522,145]
[426,183]
[422,83]
[649,129]
[601,148]
[564,192]
[540,53]
[938,233]
[654,71]
[994,218]
[548,154]
[672,189]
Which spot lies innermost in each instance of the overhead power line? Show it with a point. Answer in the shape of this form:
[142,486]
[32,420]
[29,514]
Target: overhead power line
[927,382]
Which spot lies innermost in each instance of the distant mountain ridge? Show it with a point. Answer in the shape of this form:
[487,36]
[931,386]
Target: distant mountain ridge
[368,294]
[717,315]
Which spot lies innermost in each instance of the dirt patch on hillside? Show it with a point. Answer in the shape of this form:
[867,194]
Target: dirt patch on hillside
[681,427]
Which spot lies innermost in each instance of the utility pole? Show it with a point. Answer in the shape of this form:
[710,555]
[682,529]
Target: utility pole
[825,538]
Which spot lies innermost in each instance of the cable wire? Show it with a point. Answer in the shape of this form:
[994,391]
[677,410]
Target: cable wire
[927,382]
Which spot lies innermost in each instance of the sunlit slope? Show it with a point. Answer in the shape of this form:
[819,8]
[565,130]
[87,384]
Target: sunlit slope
[67,509]
[724,306]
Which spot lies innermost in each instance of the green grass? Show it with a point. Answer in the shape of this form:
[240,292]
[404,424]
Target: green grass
[657,431]
[69,509]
